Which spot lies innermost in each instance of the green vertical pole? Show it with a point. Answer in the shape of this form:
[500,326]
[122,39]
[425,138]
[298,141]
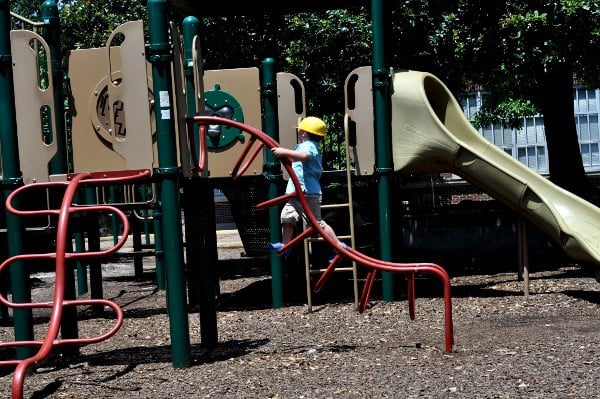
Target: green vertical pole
[51,33]
[199,210]
[92,228]
[191,28]
[381,98]
[145,213]
[58,163]
[195,229]
[160,56]
[11,179]
[273,175]
[158,250]
[81,265]
[136,241]
[112,198]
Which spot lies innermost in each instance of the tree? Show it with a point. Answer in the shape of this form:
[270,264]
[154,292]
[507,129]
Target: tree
[529,53]
[85,23]
[88,24]
[322,49]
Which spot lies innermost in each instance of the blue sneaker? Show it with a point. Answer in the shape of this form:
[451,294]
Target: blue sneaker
[334,252]
[276,247]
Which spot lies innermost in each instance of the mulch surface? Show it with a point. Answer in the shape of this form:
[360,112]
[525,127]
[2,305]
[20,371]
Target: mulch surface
[506,345]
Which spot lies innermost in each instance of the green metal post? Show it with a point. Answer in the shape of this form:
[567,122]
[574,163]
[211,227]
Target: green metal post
[136,241]
[81,265]
[112,198]
[51,33]
[89,227]
[273,175]
[191,28]
[11,179]
[191,208]
[145,213]
[381,98]
[200,219]
[92,229]
[161,283]
[58,163]
[159,54]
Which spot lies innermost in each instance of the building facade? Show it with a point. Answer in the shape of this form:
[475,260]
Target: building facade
[528,144]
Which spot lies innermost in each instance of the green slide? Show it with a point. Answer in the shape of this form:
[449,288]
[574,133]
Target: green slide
[430,133]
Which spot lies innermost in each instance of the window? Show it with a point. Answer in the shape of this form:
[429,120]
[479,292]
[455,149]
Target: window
[586,121]
[528,144]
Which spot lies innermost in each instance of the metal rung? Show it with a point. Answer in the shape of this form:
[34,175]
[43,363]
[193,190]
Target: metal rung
[33,229]
[321,239]
[337,269]
[334,206]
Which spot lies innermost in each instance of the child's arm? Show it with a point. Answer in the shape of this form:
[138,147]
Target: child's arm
[294,155]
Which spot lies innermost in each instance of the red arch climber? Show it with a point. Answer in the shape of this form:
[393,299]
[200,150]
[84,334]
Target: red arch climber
[259,140]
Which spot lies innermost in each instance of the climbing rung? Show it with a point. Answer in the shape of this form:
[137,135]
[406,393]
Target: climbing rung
[335,206]
[337,269]
[348,239]
[321,239]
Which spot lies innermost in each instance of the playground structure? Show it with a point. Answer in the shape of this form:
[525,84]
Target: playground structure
[132,130]
[137,135]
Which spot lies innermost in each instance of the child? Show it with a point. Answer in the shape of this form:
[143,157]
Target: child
[307,165]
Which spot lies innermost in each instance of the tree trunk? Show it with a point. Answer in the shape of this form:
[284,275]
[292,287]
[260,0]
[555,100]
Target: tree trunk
[565,164]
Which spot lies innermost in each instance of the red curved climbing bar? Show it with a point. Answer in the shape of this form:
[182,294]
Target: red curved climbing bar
[62,255]
[375,265]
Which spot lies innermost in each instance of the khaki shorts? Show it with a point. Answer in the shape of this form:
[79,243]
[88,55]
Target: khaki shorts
[292,211]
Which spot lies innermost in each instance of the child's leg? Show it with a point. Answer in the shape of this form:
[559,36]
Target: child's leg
[314,202]
[330,232]
[289,219]
[287,232]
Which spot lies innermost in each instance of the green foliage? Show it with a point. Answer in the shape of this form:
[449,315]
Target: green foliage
[509,113]
[26,8]
[88,24]
[507,46]
[322,49]
[240,41]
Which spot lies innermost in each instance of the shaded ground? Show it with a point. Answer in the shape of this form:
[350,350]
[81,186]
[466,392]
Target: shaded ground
[546,345]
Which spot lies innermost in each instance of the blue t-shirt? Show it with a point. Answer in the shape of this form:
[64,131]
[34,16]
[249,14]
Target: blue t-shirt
[308,172]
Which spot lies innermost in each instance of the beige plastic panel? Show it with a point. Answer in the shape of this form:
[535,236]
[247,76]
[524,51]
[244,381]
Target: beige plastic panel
[431,134]
[244,85]
[34,153]
[185,145]
[180,105]
[290,91]
[359,85]
[112,127]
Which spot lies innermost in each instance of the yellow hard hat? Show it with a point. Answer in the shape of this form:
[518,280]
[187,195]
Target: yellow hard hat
[313,125]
